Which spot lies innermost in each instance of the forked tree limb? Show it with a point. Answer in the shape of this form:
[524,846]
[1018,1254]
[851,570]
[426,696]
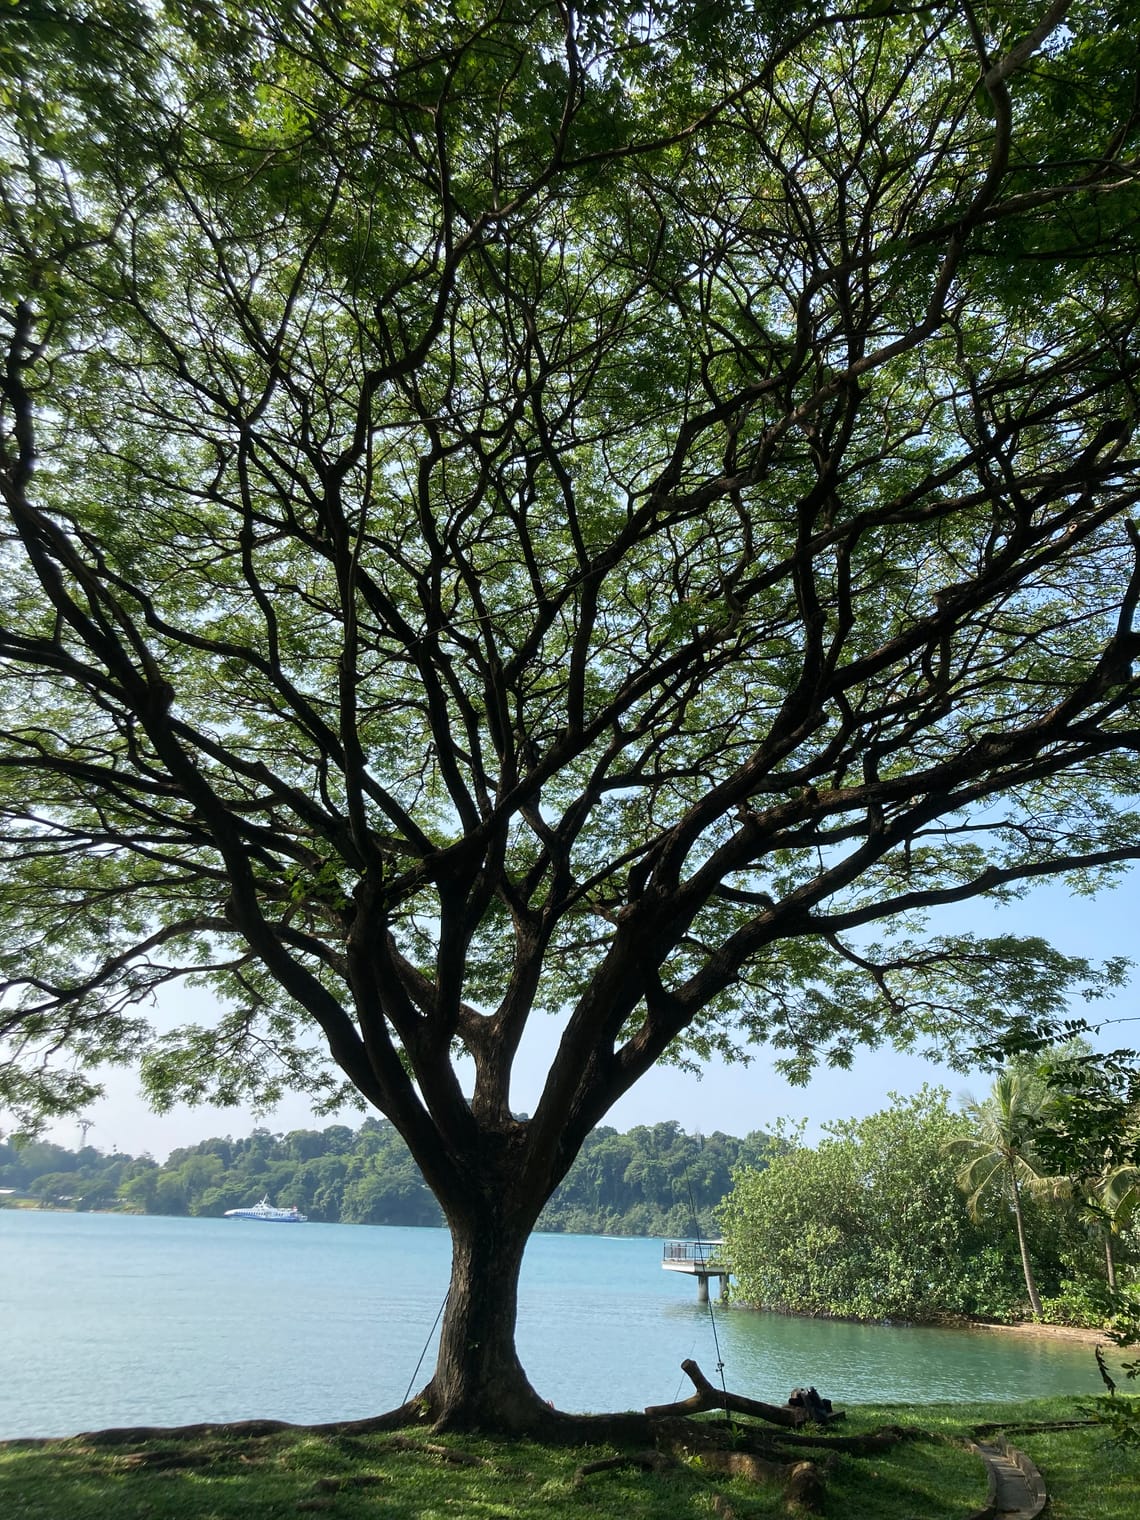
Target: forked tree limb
[708,1397]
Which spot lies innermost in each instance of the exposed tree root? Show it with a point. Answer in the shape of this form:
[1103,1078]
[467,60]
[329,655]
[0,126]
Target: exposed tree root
[753,1454]
[409,1414]
[647,1461]
[782,1443]
[857,1446]
[434,1449]
[540,1422]
[552,1426]
[326,1489]
[162,1461]
[802,1481]
[619,1429]
[350,1480]
[804,1489]
[664,1433]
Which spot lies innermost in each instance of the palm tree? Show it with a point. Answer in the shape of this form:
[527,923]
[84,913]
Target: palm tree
[1093,1133]
[998,1158]
[1114,1198]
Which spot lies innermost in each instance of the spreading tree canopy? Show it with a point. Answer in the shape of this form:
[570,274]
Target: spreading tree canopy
[515,508]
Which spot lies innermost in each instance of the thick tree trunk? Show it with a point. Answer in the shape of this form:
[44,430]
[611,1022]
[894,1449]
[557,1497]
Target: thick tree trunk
[479,1382]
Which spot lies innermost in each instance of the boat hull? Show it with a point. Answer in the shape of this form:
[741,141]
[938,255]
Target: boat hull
[265,1213]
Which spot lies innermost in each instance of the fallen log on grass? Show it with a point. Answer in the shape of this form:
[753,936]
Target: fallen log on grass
[708,1397]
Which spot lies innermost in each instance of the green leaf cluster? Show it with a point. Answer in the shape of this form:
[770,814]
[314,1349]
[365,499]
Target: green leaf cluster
[871,1224]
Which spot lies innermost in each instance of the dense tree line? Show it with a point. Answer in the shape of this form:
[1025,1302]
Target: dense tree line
[653,1180]
[84,1179]
[645,1182]
[885,1218]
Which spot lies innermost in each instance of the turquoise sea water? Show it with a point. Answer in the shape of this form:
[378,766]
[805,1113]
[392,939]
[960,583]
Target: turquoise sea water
[117,1320]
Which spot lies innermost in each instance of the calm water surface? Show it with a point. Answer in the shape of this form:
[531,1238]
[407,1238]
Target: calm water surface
[115,1320]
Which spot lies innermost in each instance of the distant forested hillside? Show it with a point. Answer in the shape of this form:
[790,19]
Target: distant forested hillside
[644,1182]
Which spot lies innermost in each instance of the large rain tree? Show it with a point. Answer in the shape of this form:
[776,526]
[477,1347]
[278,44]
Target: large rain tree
[515,510]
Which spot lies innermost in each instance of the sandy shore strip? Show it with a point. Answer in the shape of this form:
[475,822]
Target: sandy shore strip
[1079,1333]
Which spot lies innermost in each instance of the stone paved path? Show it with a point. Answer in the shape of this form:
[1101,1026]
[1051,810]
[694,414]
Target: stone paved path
[1017,1491]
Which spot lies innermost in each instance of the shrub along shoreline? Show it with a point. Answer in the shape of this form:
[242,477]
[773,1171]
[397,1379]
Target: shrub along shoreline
[874,1223]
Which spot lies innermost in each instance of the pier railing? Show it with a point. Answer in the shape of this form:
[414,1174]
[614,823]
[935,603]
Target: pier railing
[700,1253]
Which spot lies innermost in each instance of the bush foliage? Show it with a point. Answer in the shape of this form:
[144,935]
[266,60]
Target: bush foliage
[871,1224]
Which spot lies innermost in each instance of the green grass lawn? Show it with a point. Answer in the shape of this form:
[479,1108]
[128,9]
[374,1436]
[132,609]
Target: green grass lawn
[382,1477]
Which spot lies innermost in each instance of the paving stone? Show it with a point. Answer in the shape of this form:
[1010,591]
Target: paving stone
[1017,1491]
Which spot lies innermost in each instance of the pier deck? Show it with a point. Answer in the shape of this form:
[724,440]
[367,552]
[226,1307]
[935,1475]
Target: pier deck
[699,1259]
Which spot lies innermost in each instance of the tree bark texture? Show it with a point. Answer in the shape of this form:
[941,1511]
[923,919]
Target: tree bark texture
[479,1382]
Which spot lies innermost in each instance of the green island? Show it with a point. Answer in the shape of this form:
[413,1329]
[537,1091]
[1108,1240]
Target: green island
[644,1182]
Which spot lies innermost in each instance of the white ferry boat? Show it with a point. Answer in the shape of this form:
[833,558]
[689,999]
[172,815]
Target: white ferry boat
[265,1210]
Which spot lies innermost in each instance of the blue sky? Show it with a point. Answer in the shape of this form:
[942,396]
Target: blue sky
[734,1099]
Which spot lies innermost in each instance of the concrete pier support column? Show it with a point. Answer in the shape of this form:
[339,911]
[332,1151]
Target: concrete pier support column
[703,1288]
